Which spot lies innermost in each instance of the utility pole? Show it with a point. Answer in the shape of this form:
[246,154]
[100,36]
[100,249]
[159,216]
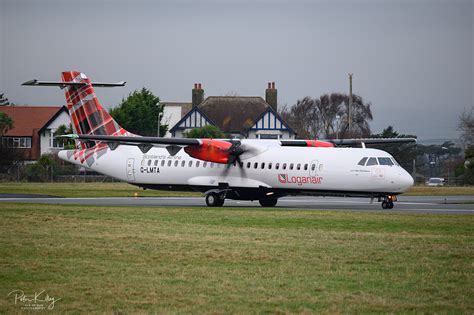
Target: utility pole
[349,118]
[158,119]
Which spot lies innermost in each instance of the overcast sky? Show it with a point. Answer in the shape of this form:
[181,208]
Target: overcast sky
[413,60]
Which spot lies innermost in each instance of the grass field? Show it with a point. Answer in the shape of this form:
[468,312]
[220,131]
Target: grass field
[76,190]
[201,260]
[126,190]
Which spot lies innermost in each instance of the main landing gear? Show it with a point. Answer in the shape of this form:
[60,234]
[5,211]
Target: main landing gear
[268,202]
[387,202]
[214,199]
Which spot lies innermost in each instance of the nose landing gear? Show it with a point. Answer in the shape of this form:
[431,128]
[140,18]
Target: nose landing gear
[387,201]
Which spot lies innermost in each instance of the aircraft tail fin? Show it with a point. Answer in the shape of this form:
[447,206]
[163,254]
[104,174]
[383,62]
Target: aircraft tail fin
[88,117]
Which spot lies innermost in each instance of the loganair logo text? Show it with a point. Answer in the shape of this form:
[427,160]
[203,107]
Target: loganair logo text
[300,180]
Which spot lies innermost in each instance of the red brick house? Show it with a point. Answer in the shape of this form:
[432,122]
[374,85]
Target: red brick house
[34,129]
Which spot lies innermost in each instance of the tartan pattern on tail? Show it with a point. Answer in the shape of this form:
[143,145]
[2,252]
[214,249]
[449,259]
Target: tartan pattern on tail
[87,115]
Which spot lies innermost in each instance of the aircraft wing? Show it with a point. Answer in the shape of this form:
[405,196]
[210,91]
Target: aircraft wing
[344,142]
[138,140]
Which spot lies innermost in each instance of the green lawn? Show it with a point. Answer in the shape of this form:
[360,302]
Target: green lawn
[229,260]
[76,190]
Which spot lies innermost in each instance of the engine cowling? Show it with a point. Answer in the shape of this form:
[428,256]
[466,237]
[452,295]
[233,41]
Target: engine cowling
[319,144]
[216,151]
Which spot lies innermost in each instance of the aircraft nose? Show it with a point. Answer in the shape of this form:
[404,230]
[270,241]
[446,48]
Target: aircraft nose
[406,181]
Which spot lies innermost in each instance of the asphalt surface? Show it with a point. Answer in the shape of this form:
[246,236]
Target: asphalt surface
[409,204]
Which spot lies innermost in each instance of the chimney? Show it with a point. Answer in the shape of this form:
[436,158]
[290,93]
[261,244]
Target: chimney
[271,96]
[197,94]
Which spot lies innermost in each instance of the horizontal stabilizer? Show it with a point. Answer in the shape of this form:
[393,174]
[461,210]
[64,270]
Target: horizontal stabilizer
[64,84]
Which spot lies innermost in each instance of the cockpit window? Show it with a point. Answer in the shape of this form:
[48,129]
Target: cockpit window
[372,161]
[385,161]
[395,162]
[362,162]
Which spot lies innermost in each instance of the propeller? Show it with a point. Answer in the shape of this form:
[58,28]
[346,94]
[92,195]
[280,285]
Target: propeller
[235,151]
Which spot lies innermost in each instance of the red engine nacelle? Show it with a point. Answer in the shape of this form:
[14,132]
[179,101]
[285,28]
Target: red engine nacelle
[210,150]
[319,144]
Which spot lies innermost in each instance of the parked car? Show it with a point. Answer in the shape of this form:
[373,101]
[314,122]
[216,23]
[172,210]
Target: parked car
[435,182]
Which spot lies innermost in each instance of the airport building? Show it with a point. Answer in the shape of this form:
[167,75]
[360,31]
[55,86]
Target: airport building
[250,117]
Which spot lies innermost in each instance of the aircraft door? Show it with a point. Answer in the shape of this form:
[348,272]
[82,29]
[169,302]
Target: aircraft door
[313,168]
[131,169]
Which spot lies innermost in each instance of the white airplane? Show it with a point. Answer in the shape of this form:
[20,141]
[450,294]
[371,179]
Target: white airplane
[262,170]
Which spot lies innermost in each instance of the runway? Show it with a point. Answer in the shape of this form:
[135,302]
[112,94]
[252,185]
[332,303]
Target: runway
[409,204]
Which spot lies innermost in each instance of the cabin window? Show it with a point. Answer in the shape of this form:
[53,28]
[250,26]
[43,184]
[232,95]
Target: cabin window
[385,161]
[321,167]
[156,162]
[149,162]
[162,162]
[169,162]
[248,164]
[284,166]
[176,163]
[255,165]
[313,167]
[277,166]
[263,166]
[197,163]
[372,161]
[183,163]
[211,165]
[306,167]
[291,166]
[204,164]
[190,164]
[362,162]
[269,166]
[298,166]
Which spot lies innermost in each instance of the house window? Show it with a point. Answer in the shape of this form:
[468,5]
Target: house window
[269,136]
[53,142]
[16,142]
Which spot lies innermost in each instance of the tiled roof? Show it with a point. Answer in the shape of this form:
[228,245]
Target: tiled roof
[233,114]
[27,119]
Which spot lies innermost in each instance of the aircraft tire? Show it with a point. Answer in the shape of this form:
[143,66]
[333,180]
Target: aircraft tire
[214,200]
[384,204]
[268,202]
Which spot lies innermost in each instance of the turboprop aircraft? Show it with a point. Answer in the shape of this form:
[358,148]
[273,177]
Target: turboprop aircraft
[262,170]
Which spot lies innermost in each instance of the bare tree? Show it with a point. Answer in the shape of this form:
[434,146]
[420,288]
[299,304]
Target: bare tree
[3,100]
[303,118]
[466,126]
[327,117]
